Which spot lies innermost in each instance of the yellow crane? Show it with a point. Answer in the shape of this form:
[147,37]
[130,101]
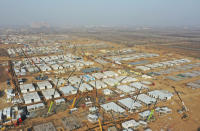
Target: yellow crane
[97,104]
[51,104]
[77,93]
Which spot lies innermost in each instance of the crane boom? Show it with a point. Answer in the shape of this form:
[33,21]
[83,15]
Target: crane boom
[186,109]
[74,101]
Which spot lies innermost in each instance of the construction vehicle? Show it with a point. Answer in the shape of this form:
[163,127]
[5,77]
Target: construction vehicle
[74,100]
[51,104]
[113,119]
[183,109]
[14,81]
[67,80]
[97,105]
[152,111]
[136,73]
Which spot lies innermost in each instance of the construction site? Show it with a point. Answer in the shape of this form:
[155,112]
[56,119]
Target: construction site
[92,85]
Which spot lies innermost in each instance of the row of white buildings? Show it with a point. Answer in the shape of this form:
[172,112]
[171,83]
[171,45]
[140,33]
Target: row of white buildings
[163,64]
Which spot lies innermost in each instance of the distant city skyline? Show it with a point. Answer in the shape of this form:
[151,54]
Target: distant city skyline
[100,12]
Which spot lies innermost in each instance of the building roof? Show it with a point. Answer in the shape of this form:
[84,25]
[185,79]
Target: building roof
[138,85]
[146,99]
[161,94]
[145,114]
[25,87]
[110,73]
[31,96]
[99,84]
[49,93]
[44,84]
[129,103]
[85,87]
[35,106]
[58,81]
[110,81]
[87,78]
[68,90]
[126,88]
[89,70]
[74,80]
[112,107]
[107,91]
[130,123]
[98,75]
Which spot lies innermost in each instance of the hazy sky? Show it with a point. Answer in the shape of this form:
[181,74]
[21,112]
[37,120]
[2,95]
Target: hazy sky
[100,12]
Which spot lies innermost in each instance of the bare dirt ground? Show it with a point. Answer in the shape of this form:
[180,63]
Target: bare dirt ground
[3,74]
[3,52]
[3,86]
[183,41]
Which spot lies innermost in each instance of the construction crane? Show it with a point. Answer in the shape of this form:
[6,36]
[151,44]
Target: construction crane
[74,100]
[51,104]
[152,111]
[138,94]
[184,109]
[97,105]
[14,80]
[113,119]
[67,80]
